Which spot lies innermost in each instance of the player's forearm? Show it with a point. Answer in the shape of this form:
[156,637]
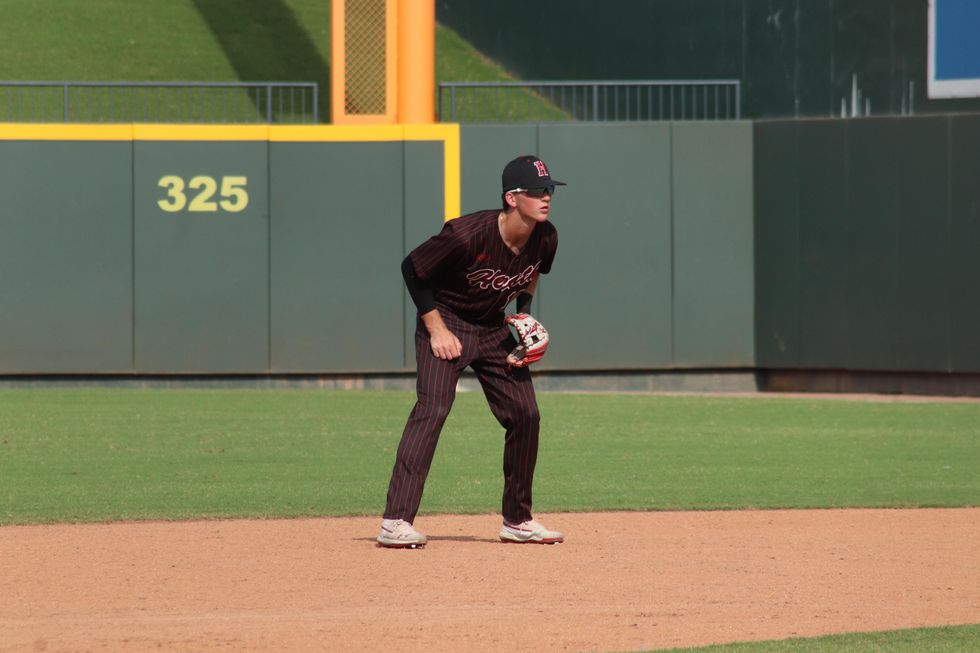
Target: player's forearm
[523,304]
[524,299]
[433,322]
[531,287]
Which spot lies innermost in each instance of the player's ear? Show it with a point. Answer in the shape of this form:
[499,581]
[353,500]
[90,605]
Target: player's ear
[509,200]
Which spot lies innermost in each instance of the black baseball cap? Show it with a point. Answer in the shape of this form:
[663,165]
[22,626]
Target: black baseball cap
[527,171]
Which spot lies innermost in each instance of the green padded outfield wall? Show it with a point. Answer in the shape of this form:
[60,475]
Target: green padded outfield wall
[424,210]
[66,285]
[776,194]
[964,237]
[336,243]
[155,249]
[249,255]
[821,244]
[925,310]
[866,244]
[655,239]
[611,279]
[201,257]
[713,277]
[824,245]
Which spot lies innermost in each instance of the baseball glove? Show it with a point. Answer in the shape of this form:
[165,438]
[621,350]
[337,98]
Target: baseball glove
[532,340]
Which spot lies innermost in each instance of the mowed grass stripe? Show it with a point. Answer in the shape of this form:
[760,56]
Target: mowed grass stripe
[94,454]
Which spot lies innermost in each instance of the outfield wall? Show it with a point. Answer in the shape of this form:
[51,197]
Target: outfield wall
[212,250]
[652,271]
[194,250]
[866,237]
[834,245]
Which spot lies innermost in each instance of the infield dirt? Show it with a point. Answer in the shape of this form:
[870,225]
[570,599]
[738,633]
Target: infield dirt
[621,581]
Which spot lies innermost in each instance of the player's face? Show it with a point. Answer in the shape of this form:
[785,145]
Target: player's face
[534,203]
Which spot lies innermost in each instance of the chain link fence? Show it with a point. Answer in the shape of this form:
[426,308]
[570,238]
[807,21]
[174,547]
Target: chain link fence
[365,69]
[160,102]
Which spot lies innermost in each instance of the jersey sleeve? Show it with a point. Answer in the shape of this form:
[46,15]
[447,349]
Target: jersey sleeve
[550,249]
[443,251]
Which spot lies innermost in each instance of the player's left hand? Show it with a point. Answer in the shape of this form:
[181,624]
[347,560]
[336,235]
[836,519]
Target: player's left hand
[532,340]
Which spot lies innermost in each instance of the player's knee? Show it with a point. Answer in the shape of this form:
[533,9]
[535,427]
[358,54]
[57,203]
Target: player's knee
[529,415]
[435,412]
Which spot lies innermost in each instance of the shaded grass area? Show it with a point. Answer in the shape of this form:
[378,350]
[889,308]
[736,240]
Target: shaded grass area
[951,639]
[196,40]
[108,453]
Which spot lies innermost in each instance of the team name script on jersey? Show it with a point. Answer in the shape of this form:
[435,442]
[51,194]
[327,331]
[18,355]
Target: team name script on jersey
[489,278]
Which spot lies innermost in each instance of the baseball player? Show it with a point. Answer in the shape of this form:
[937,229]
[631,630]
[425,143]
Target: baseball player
[461,281]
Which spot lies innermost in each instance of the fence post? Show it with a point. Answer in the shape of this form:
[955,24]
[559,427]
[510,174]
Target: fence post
[595,102]
[66,101]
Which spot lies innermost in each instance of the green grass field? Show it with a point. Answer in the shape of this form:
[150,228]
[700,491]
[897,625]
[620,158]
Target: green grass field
[95,454]
[923,640]
[107,454]
[189,40]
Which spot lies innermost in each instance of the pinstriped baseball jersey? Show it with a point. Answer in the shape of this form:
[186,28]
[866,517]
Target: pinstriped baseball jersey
[472,271]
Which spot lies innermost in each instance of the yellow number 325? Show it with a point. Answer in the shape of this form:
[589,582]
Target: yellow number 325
[234,196]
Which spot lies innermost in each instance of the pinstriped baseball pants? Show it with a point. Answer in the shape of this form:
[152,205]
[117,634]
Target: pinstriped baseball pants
[509,393]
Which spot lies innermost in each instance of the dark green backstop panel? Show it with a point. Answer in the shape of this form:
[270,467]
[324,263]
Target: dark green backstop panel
[424,217]
[824,246]
[776,193]
[872,295]
[201,238]
[713,266]
[875,261]
[337,299]
[614,255]
[965,243]
[66,257]
[923,316]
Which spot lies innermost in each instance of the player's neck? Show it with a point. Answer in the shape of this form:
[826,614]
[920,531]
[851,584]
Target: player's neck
[515,229]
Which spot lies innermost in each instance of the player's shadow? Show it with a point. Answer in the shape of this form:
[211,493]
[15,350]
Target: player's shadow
[271,45]
[446,538]
[463,538]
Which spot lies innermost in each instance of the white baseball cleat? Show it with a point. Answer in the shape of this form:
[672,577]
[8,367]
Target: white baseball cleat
[399,534]
[529,532]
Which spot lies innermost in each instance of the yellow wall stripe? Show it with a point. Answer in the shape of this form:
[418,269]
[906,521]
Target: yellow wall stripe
[64,132]
[326,133]
[200,132]
[448,134]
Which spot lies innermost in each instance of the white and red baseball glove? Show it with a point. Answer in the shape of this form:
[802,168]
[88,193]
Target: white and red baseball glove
[532,340]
